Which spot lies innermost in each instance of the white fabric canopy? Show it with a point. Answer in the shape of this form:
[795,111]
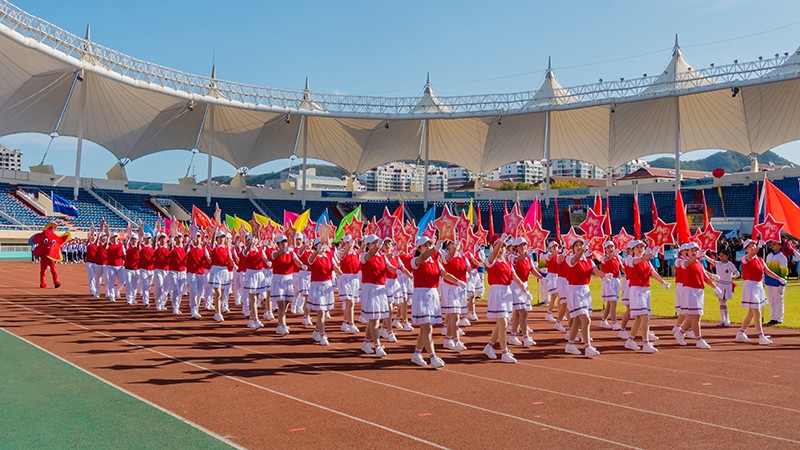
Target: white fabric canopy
[133,118]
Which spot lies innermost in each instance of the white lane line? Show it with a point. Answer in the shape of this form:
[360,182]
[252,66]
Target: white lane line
[125,391]
[573,396]
[198,366]
[443,399]
[657,386]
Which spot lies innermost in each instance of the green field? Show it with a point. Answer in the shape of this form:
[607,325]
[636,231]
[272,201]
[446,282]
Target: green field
[663,302]
[47,403]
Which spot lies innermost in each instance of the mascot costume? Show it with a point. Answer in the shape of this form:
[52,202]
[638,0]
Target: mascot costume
[47,247]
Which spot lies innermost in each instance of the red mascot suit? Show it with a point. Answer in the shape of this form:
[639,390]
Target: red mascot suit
[47,247]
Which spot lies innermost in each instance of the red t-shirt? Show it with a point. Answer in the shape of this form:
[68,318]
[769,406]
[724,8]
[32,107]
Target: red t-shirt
[611,266]
[132,258]
[161,258]
[100,256]
[284,264]
[177,259]
[394,261]
[499,273]
[115,254]
[253,260]
[753,270]
[374,270]
[350,264]
[552,264]
[581,273]
[196,260]
[91,253]
[147,258]
[639,274]
[426,276]
[694,275]
[523,267]
[458,266]
[220,256]
[322,267]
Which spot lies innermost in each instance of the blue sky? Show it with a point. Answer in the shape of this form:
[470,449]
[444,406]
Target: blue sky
[385,48]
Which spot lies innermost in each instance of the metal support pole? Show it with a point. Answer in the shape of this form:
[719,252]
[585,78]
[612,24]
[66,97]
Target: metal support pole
[81,120]
[427,163]
[304,126]
[547,158]
[677,145]
[210,159]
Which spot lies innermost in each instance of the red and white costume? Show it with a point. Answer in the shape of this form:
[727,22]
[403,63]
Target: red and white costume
[753,294]
[374,302]
[501,301]
[426,307]
[638,276]
[579,297]
[321,291]
[454,298]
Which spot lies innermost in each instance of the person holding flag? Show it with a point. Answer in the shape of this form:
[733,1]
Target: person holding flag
[638,271]
[694,278]
[146,265]
[132,267]
[322,267]
[284,262]
[196,272]
[610,263]
[523,266]
[753,295]
[220,256]
[348,282]
[160,271]
[115,258]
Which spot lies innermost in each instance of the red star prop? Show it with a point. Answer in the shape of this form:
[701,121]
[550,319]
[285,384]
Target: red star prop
[481,234]
[512,221]
[325,231]
[411,228]
[372,227]
[536,236]
[386,225]
[570,237]
[470,241]
[593,225]
[463,225]
[770,229]
[596,246]
[354,229]
[446,224]
[430,231]
[622,239]
[310,231]
[661,234]
[707,240]
[402,238]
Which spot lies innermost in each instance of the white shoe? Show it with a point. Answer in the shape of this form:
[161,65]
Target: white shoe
[630,344]
[742,337]
[315,335]
[472,316]
[648,348]
[177,312]
[384,334]
[225,310]
[623,334]
[701,343]
[436,362]
[459,346]
[196,315]
[324,340]
[675,328]
[292,309]
[392,337]
[361,319]
[690,334]
[307,321]
[397,324]
[282,330]
[408,327]
[488,350]
[366,347]
[353,328]
[680,338]
[463,322]
[460,332]
[449,344]
[258,323]
[508,358]
[590,351]
[327,314]
[513,340]
[558,326]
[528,342]
[572,349]
[380,352]
[508,328]
[268,315]
[345,327]
[764,340]
[416,358]
[210,308]
[218,317]
[251,324]
[652,336]
[616,326]
[604,324]
[549,317]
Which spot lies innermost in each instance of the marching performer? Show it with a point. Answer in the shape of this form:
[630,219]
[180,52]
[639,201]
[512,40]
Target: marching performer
[610,263]
[284,262]
[320,300]
[132,266]
[196,274]
[638,272]
[220,256]
[375,304]
[348,282]
[579,296]
[176,274]
[753,295]
[726,271]
[454,298]
[146,266]
[523,266]
[254,282]
[115,257]
[694,297]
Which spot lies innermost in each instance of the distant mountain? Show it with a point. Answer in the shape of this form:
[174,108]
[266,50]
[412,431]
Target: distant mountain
[323,170]
[730,161]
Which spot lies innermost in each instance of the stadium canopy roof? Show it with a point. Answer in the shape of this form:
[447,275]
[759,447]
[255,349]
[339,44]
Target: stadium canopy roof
[50,78]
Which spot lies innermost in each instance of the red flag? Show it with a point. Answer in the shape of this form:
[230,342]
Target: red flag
[756,211]
[200,218]
[558,222]
[598,204]
[655,210]
[505,208]
[637,220]
[681,221]
[782,208]
[491,219]
[608,217]
[706,218]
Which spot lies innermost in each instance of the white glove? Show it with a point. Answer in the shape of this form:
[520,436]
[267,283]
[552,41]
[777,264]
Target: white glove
[666,285]
[587,254]
[715,277]
[304,267]
[269,263]
[289,248]
[608,276]
[462,285]
[783,281]
[761,243]
[438,246]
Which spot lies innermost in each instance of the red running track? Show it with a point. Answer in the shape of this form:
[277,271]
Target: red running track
[263,391]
